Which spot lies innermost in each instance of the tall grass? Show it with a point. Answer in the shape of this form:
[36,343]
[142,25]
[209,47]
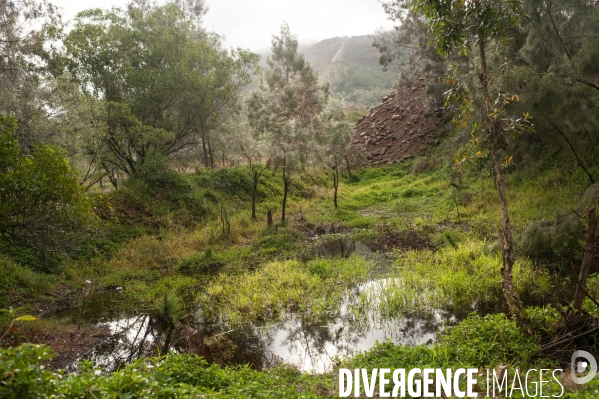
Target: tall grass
[282,287]
[451,278]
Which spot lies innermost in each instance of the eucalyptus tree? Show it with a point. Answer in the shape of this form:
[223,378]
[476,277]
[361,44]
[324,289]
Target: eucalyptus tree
[283,108]
[24,29]
[164,89]
[480,27]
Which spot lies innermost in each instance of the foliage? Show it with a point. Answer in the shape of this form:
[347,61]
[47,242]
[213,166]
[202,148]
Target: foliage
[488,341]
[42,206]
[172,376]
[156,194]
[409,46]
[453,279]
[554,69]
[24,30]
[18,282]
[283,110]
[282,287]
[166,88]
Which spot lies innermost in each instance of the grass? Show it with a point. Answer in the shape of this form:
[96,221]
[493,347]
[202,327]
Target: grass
[282,287]
[452,279]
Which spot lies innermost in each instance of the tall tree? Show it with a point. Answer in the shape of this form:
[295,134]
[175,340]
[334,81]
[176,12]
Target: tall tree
[462,27]
[408,47]
[333,137]
[164,89]
[284,107]
[24,29]
[556,70]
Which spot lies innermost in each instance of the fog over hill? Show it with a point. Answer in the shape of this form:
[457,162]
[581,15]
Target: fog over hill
[351,65]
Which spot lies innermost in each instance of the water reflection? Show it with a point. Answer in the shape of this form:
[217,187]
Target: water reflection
[308,345]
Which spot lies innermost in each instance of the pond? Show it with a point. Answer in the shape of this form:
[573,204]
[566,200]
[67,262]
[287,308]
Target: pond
[307,345]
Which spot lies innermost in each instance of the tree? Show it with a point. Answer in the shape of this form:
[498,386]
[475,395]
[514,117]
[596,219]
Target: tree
[409,47]
[42,206]
[334,135]
[254,152]
[282,110]
[556,62]
[463,26]
[164,89]
[24,28]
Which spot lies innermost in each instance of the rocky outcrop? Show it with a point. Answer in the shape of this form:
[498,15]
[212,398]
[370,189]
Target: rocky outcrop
[400,128]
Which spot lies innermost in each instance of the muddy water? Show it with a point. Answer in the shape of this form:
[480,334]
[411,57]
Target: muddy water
[309,346]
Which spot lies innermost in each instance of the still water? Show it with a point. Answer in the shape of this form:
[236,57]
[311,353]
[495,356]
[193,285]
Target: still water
[307,345]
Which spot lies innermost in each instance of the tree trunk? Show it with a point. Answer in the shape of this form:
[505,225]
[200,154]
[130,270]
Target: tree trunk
[335,184]
[507,247]
[347,165]
[285,191]
[210,151]
[586,260]
[168,339]
[206,163]
[254,189]
[269,221]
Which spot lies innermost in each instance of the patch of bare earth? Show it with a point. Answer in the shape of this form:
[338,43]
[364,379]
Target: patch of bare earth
[400,128]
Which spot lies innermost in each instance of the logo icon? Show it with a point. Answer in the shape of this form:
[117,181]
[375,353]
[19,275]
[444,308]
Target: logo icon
[581,366]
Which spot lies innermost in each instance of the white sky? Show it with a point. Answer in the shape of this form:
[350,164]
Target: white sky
[251,23]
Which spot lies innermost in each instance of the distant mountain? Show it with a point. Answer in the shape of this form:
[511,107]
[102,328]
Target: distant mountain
[355,50]
[351,65]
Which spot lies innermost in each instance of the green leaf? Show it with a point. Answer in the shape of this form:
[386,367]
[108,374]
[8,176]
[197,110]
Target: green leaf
[26,318]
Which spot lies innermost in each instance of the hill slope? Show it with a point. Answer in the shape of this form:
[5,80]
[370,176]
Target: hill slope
[351,65]
[400,127]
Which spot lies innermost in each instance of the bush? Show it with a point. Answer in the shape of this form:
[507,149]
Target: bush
[172,376]
[156,195]
[478,341]
[42,206]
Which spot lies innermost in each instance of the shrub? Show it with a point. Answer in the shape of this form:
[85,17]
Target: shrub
[42,206]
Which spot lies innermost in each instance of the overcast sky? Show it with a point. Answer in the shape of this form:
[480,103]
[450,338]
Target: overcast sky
[251,23]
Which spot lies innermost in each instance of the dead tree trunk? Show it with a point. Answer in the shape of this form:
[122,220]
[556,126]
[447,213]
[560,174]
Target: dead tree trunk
[586,260]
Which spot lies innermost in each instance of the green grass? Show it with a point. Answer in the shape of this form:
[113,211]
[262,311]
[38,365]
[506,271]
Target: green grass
[452,279]
[282,287]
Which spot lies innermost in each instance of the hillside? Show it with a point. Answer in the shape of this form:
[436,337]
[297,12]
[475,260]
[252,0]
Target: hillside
[400,128]
[351,65]
[355,50]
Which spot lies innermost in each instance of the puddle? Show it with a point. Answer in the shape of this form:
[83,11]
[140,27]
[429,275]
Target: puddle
[306,345]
